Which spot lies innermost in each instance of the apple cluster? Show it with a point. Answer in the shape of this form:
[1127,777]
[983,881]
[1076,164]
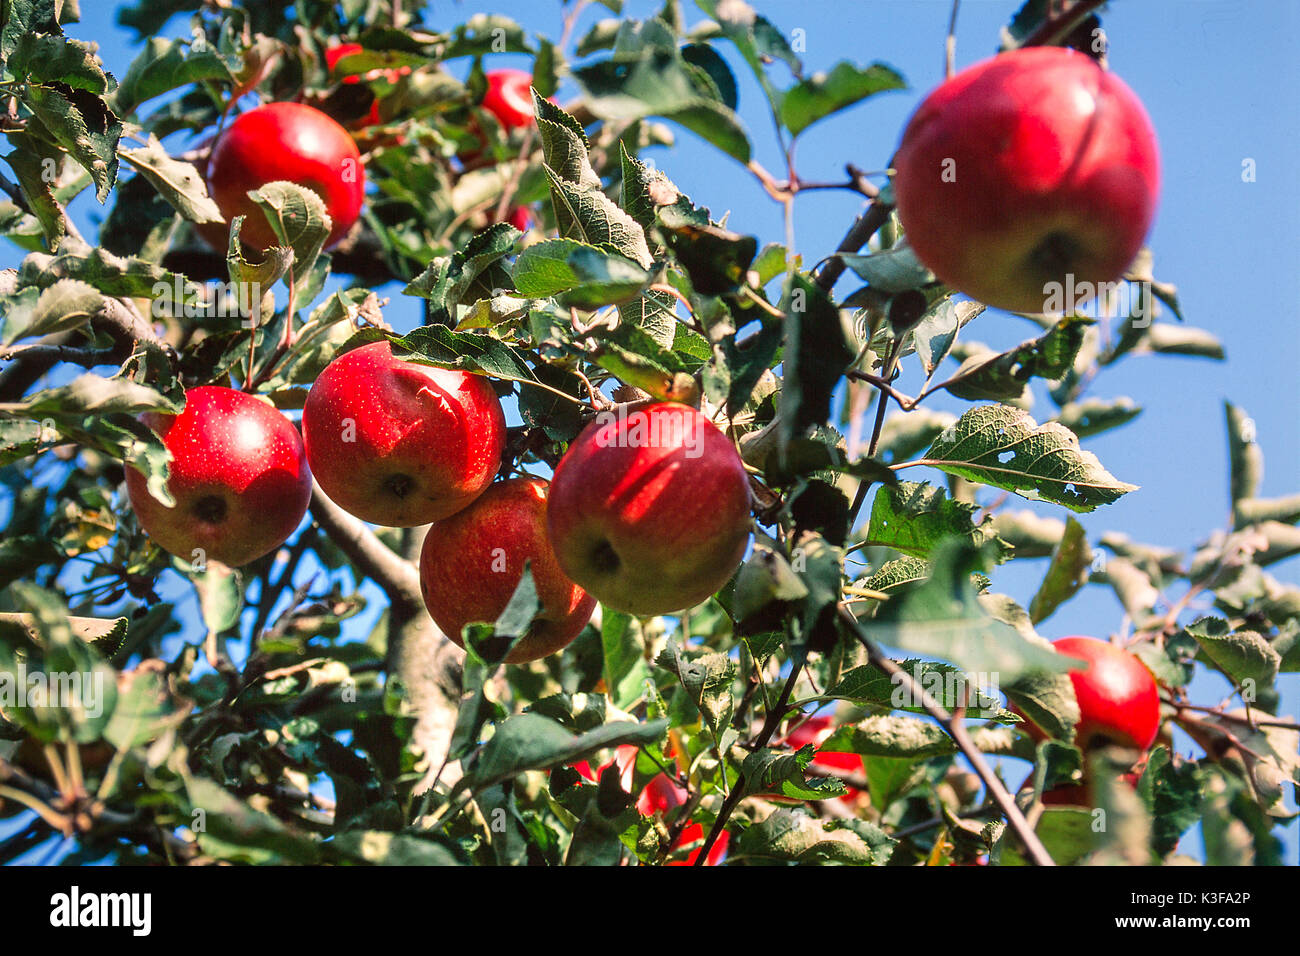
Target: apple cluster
[645,526]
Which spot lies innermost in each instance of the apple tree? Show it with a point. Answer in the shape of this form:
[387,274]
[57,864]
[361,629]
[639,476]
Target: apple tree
[787,648]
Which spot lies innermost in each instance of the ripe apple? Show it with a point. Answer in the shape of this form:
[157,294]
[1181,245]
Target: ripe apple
[284,141]
[238,473]
[509,97]
[1032,168]
[472,561]
[335,53]
[1118,699]
[399,443]
[649,509]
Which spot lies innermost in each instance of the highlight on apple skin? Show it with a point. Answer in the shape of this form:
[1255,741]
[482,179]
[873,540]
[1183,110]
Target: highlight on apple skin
[238,473]
[283,141]
[509,97]
[1031,173]
[649,509]
[398,443]
[472,562]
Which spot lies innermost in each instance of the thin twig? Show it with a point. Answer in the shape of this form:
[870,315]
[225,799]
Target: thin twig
[957,730]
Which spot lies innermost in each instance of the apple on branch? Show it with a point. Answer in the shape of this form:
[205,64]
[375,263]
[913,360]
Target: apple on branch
[289,142]
[649,509]
[1026,174]
[472,562]
[238,473]
[399,443]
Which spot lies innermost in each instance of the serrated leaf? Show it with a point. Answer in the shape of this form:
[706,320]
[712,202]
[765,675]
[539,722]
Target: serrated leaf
[1004,447]
[583,275]
[914,518]
[823,94]
[177,181]
[1242,655]
[1003,376]
[1066,574]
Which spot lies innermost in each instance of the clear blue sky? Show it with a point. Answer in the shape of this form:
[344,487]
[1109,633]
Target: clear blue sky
[1220,81]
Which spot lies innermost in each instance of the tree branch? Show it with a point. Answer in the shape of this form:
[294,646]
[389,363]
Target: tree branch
[864,227]
[397,576]
[957,730]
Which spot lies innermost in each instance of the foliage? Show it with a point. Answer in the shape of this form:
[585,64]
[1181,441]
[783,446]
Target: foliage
[270,731]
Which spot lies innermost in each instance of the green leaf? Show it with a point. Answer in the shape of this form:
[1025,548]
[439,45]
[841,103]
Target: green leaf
[176,181]
[893,270]
[62,307]
[707,679]
[1244,454]
[165,65]
[587,277]
[81,123]
[891,736]
[298,216]
[221,595]
[230,829]
[532,742]
[943,617]
[625,669]
[588,215]
[767,770]
[915,517]
[472,351]
[44,57]
[822,94]
[1067,573]
[815,356]
[870,686]
[1066,833]
[1003,376]
[1005,448]
[659,82]
[1241,655]
[792,836]
[384,848]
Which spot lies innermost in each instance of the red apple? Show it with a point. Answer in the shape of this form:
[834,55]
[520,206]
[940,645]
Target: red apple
[660,795]
[1118,700]
[472,562]
[649,510]
[1034,168]
[520,217]
[238,473]
[398,443]
[284,141]
[695,833]
[335,53]
[509,97]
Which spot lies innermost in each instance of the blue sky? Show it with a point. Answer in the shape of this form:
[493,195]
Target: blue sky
[1219,79]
